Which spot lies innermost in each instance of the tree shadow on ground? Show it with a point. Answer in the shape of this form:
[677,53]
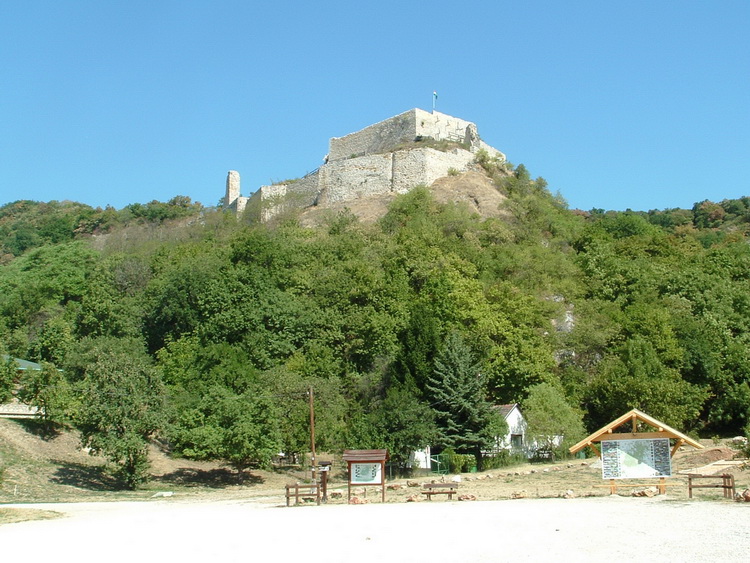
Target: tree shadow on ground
[212,478]
[47,431]
[91,477]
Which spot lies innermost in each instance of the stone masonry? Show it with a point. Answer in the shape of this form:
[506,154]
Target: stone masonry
[232,199]
[382,158]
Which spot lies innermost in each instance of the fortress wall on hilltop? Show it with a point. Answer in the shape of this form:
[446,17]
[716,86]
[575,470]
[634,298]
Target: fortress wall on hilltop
[375,138]
[425,165]
[357,177]
[364,176]
[279,197]
[403,128]
[366,163]
[440,126]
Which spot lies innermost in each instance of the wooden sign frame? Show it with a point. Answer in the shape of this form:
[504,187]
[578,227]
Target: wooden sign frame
[366,467]
[607,433]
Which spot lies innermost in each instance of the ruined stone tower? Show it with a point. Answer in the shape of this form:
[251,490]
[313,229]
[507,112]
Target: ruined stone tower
[232,199]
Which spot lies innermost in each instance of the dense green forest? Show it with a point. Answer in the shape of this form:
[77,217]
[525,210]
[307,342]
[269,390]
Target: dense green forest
[207,330]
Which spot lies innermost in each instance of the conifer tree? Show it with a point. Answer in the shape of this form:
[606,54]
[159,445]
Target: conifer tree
[456,389]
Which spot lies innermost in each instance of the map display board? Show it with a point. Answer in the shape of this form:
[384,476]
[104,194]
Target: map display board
[366,474]
[636,459]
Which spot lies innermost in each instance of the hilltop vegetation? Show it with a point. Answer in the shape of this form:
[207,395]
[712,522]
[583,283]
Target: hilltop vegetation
[174,320]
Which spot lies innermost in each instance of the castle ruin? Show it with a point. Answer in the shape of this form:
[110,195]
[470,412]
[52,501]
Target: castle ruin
[392,156]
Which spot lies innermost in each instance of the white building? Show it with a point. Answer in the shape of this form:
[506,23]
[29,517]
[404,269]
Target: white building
[515,439]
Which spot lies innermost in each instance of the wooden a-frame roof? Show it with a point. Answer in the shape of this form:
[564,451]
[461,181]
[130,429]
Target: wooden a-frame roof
[633,416]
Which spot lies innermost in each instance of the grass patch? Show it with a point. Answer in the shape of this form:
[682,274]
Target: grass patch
[13,515]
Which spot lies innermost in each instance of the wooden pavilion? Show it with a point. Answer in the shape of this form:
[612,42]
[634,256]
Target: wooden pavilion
[637,422]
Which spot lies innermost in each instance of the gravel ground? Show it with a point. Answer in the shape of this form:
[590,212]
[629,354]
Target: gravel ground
[610,529]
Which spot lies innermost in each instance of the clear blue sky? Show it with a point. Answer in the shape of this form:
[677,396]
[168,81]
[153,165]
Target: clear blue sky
[638,104]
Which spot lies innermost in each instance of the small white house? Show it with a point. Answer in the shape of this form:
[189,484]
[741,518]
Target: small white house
[420,459]
[515,439]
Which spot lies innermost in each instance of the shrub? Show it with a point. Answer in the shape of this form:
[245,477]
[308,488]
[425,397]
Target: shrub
[459,463]
[504,458]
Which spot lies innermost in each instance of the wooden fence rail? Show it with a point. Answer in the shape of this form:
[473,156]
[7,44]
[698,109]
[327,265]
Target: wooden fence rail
[727,483]
[301,491]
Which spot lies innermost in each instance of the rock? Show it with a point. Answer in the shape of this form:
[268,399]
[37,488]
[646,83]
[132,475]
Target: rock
[467,497]
[162,494]
[456,478]
[546,470]
[519,494]
[337,494]
[647,492]
[413,498]
[357,500]
[412,484]
[568,494]
[394,487]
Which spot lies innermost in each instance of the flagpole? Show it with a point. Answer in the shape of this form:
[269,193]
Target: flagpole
[434,99]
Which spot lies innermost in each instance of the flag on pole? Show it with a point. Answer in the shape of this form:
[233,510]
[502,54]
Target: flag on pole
[434,99]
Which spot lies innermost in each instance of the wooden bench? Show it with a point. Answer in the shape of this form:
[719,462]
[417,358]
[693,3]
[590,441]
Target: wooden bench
[440,489]
[302,491]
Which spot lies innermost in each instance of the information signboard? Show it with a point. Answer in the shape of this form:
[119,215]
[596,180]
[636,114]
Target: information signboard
[366,473]
[366,467]
[636,459]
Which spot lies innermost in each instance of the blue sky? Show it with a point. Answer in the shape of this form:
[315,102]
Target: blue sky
[638,104]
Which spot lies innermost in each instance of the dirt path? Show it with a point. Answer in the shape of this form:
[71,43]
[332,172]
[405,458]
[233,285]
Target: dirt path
[610,529]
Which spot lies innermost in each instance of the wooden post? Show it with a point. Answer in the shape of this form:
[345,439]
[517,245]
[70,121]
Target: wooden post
[677,446]
[612,487]
[662,486]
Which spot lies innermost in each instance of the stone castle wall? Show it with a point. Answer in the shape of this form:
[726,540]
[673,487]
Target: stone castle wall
[369,162]
[403,128]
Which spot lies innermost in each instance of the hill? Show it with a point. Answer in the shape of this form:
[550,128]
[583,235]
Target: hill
[207,331]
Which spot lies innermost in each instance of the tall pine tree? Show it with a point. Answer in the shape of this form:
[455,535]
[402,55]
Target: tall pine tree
[456,389]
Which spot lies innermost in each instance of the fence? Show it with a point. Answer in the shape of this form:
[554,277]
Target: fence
[727,484]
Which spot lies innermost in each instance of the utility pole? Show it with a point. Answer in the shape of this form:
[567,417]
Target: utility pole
[312,434]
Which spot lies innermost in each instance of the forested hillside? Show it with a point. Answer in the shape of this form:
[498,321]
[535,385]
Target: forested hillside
[172,320]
